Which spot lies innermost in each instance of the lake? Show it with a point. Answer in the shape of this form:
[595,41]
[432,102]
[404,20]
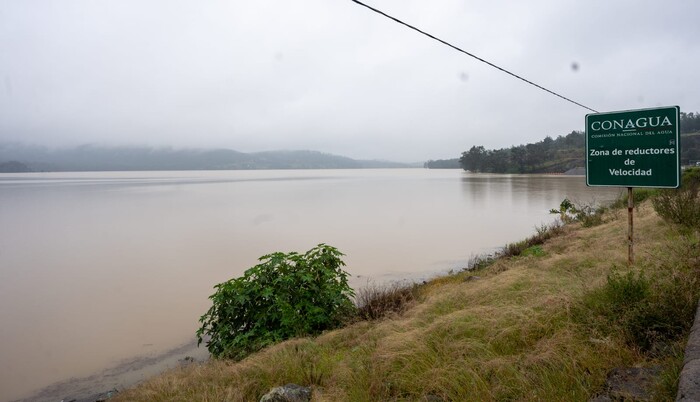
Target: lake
[99,268]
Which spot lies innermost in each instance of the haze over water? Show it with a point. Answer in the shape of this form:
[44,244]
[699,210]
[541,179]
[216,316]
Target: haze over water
[100,267]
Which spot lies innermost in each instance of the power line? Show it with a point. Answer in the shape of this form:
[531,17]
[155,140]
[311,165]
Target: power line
[472,55]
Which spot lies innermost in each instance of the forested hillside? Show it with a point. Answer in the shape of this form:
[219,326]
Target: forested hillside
[690,123]
[690,141]
[556,155]
[546,156]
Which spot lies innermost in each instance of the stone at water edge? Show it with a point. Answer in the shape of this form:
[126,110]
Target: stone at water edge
[288,393]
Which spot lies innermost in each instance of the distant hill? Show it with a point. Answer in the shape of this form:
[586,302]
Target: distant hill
[13,167]
[443,164]
[98,158]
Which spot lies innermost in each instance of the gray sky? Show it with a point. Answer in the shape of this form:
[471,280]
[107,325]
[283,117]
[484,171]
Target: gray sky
[332,76]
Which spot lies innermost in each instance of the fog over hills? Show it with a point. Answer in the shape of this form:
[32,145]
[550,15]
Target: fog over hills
[99,158]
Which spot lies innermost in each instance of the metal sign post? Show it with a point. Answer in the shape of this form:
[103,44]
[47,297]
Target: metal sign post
[630,226]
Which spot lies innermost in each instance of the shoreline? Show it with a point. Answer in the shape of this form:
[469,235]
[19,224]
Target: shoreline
[123,375]
[524,318]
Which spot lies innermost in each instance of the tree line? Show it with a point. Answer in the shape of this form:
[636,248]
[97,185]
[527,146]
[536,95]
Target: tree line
[690,143]
[554,155]
[547,156]
[690,123]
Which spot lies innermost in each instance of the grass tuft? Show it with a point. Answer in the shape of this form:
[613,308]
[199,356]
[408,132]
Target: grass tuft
[543,233]
[378,301]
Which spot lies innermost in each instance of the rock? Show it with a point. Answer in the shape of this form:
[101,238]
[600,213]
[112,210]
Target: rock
[630,384]
[186,361]
[288,393]
[472,278]
[105,396]
[689,383]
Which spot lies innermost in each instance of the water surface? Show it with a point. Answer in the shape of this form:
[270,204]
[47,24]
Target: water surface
[100,267]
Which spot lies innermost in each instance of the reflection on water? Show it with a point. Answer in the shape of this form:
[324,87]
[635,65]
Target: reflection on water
[100,267]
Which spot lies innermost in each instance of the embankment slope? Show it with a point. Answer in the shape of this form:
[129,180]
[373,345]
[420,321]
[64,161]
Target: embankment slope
[507,332]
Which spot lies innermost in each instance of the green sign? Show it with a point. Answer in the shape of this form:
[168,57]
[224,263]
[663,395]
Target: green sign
[634,148]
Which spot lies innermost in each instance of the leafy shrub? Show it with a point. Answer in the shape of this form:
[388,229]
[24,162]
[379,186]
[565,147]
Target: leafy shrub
[377,301]
[623,292]
[681,205]
[589,215]
[566,208]
[284,296]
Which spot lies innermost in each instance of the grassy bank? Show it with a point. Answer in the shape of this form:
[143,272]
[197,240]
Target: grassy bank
[545,325]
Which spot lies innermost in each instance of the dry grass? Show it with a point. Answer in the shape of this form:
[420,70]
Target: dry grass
[376,301]
[509,335]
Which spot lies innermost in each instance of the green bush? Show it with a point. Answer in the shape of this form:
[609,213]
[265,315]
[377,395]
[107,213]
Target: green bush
[535,251]
[565,211]
[285,296]
[589,215]
[650,311]
[681,206]
[544,233]
[621,304]
[623,292]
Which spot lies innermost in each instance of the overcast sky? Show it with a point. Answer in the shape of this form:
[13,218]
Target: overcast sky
[332,76]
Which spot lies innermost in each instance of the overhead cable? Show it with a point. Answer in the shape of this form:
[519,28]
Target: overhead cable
[472,55]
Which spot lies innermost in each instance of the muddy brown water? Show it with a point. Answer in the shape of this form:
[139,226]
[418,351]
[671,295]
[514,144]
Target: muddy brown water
[102,269]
